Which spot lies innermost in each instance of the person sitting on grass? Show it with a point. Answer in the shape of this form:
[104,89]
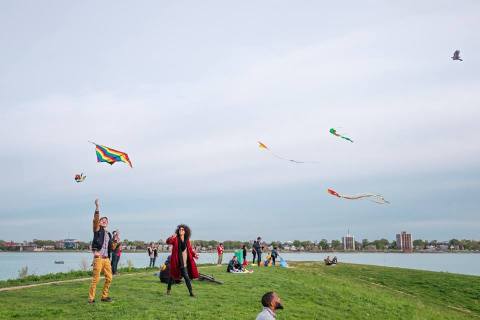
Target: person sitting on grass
[271,302]
[165,271]
[234,265]
[329,262]
[268,260]
[164,274]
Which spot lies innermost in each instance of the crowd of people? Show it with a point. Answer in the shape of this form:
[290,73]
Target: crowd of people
[107,249]
[257,249]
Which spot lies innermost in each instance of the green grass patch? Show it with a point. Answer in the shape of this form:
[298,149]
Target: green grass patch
[308,291]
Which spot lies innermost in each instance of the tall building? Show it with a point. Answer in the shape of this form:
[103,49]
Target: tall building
[404,241]
[348,242]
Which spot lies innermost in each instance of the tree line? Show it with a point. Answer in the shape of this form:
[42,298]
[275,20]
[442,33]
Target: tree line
[322,245]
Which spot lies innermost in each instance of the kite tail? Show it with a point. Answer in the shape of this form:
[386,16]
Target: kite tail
[360,196]
[277,156]
[379,199]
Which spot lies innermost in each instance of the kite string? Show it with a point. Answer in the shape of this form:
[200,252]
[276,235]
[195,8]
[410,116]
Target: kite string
[263,146]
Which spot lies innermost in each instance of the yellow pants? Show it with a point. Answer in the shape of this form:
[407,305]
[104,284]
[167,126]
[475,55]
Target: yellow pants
[100,265]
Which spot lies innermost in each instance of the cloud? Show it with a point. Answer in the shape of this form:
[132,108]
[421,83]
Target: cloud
[410,110]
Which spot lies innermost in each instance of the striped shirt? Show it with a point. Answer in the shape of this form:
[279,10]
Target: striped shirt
[104,250]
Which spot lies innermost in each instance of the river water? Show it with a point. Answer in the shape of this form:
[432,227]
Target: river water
[43,262]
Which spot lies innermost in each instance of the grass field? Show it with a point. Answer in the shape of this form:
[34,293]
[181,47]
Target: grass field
[308,291]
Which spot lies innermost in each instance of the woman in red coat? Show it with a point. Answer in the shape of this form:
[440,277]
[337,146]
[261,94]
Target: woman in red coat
[182,263]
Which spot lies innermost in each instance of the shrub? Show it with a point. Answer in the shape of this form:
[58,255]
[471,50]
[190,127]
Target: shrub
[84,265]
[23,272]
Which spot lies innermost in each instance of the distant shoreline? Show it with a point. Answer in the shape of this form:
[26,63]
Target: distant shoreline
[265,252]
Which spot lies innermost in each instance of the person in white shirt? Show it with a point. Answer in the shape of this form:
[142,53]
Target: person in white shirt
[271,302]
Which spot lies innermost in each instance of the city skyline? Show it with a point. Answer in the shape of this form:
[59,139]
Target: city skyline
[317,240]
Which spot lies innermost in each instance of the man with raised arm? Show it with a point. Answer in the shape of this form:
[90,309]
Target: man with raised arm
[102,245]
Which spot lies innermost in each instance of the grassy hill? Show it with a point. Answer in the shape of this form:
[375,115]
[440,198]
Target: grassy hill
[308,291]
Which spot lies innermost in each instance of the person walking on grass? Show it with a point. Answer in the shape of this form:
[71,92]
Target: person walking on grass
[182,263]
[220,253]
[102,245]
[116,251]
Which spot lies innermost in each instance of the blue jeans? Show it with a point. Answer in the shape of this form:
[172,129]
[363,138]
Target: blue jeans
[115,260]
[259,256]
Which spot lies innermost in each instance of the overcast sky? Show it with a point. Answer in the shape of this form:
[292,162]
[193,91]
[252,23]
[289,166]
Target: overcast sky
[187,88]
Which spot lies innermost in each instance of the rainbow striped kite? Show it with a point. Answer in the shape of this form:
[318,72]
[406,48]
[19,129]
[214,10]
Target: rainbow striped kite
[109,155]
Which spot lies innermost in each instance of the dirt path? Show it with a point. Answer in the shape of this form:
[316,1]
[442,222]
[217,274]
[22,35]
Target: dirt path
[61,281]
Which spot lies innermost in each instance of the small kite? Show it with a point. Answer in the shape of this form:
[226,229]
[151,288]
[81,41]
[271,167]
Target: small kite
[456,55]
[80,177]
[334,132]
[264,147]
[109,155]
[377,198]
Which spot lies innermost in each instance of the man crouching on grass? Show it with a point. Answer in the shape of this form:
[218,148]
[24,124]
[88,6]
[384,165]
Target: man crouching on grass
[102,246]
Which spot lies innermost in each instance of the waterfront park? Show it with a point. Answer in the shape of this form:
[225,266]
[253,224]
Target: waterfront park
[309,291]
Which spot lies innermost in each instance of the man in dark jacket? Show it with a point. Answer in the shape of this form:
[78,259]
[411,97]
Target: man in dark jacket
[257,246]
[274,255]
[234,265]
[102,245]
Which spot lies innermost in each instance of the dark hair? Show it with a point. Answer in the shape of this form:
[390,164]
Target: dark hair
[267,299]
[259,238]
[187,231]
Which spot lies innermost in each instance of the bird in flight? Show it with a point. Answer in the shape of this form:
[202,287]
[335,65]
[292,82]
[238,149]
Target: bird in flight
[456,55]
